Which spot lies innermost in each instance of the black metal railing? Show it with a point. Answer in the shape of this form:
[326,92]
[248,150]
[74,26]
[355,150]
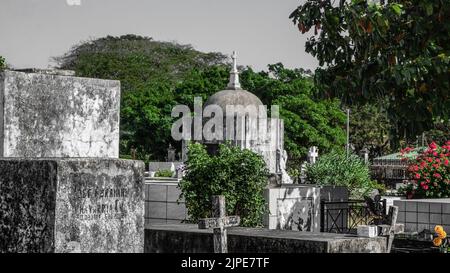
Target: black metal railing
[344,217]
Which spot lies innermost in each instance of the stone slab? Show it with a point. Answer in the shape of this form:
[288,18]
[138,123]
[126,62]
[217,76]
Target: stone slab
[71,205]
[52,115]
[293,207]
[162,204]
[183,238]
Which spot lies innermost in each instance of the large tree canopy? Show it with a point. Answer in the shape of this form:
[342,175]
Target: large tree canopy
[396,53]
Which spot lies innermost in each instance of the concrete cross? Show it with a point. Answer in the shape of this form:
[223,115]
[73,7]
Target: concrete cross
[234,83]
[219,223]
[313,154]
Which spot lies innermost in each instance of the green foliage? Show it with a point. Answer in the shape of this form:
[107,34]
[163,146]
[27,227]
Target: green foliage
[336,169]
[164,173]
[440,132]
[308,121]
[369,128]
[394,53]
[239,175]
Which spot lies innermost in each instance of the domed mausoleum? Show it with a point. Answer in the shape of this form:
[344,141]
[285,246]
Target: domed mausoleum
[247,125]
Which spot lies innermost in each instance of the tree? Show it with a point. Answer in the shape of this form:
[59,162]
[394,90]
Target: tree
[309,121]
[390,52]
[369,128]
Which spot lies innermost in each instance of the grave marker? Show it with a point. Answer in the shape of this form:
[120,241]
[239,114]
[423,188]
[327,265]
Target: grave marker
[313,154]
[219,223]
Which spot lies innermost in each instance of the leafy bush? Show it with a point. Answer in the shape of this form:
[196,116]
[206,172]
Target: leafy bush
[430,171]
[239,175]
[164,173]
[336,169]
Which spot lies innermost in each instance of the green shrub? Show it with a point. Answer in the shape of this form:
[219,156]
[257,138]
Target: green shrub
[336,169]
[239,175]
[164,173]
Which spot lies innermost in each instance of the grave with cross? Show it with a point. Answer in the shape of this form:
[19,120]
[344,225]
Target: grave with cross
[313,154]
[219,223]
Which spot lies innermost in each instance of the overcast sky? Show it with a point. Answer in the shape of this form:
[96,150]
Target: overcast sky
[32,31]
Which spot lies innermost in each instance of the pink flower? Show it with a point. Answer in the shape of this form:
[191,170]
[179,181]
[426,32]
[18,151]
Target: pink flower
[446,162]
[433,146]
[437,175]
[417,176]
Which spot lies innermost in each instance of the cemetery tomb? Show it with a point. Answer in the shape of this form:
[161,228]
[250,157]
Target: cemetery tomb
[62,186]
[185,238]
[71,205]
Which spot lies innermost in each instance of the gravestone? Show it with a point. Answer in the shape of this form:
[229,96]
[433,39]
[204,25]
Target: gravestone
[62,186]
[171,153]
[219,223]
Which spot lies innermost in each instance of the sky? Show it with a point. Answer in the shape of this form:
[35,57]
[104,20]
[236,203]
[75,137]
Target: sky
[33,31]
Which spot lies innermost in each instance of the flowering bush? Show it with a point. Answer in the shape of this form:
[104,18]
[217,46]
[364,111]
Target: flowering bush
[441,239]
[430,172]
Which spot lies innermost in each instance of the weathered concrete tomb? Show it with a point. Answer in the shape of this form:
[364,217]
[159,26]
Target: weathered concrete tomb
[62,186]
[71,205]
[52,115]
[189,239]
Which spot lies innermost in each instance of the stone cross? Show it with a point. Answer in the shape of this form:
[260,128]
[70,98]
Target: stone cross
[219,223]
[365,155]
[234,83]
[313,154]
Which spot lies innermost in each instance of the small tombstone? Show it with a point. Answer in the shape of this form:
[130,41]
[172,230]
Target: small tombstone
[170,154]
[133,153]
[313,154]
[219,223]
[365,155]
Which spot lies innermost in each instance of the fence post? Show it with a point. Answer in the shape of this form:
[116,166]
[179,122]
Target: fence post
[322,216]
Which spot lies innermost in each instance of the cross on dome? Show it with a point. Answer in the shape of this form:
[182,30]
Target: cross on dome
[234,83]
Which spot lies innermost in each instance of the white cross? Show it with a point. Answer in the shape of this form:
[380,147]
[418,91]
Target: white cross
[234,83]
[313,154]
